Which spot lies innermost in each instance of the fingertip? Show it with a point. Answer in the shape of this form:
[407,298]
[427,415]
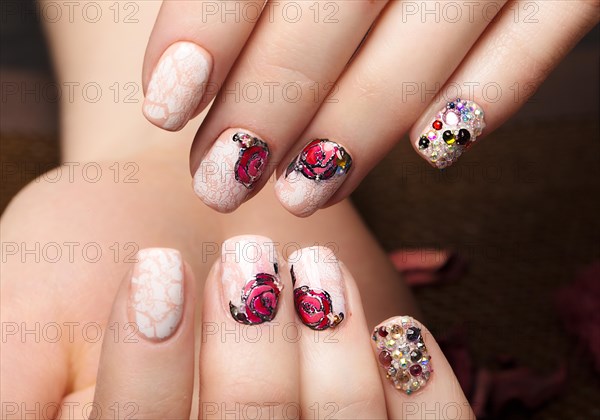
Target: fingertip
[176,85]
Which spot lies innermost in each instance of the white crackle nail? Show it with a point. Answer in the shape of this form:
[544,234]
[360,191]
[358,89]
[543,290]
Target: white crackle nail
[156,293]
[451,131]
[177,85]
[313,177]
[250,279]
[230,170]
[319,292]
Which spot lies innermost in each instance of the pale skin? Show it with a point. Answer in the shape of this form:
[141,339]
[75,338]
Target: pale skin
[161,210]
[158,210]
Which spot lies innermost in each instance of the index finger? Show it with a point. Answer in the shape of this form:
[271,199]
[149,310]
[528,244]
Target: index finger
[191,49]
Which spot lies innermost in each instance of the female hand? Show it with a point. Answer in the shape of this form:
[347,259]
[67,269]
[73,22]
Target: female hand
[292,90]
[277,340]
[256,359]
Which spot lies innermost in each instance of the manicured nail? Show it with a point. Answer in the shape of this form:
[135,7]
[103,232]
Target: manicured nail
[177,85]
[402,353]
[156,293]
[313,177]
[319,295]
[231,169]
[250,276]
[451,131]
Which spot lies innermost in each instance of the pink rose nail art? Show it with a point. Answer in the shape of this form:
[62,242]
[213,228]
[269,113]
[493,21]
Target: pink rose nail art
[259,299]
[231,169]
[250,279]
[319,294]
[313,177]
[253,158]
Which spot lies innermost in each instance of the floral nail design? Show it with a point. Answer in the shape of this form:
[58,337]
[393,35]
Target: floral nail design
[453,130]
[252,160]
[315,309]
[313,177]
[321,160]
[319,294]
[402,353]
[259,300]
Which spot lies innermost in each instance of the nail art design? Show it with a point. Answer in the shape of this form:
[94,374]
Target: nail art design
[321,160]
[156,294]
[250,279]
[402,353]
[313,176]
[254,154]
[259,300]
[231,169]
[453,130]
[176,86]
[314,308]
[315,271]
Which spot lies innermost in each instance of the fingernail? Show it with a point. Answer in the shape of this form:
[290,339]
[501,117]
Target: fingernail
[319,293]
[402,354]
[177,85]
[231,169]
[451,131]
[250,277]
[156,293]
[313,177]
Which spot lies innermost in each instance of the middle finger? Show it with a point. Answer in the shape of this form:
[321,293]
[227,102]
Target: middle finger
[272,93]
[247,366]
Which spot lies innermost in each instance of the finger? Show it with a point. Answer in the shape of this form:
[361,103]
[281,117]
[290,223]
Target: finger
[376,101]
[272,94]
[192,47]
[247,366]
[149,374]
[79,405]
[405,350]
[336,352]
[29,384]
[506,66]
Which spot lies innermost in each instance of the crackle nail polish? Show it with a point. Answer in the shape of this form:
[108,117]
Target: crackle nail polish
[177,85]
[156,292]
[313,177]
[231,169]
[452,130]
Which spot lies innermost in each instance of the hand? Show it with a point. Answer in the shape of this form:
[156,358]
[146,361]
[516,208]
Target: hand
[269,75]
[256,359]
[283,340]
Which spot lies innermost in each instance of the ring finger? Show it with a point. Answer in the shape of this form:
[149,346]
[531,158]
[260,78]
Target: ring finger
[327,301]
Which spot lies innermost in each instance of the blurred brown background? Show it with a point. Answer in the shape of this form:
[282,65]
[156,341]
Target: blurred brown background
[522,208]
